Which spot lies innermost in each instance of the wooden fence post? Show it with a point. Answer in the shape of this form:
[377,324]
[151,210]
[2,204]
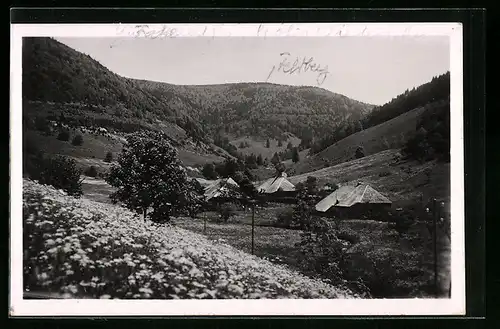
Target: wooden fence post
[253,225]
[434,236]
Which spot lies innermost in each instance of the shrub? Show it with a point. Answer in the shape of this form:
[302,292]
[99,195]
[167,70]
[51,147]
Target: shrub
[91,171]
[350,236]
[63,135]
[208,171]
[404,218]
[33,163]
[77,140]
[384,173]
[285,218]
[303,211]
[295,155]
[226,211]
[30,146]
[60,172]
[310,185]
[43,125]
[332,186]
[322,252]
[109,157]
[385,271]
[360,152]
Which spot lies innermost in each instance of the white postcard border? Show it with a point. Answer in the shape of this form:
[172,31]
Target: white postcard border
[361,307]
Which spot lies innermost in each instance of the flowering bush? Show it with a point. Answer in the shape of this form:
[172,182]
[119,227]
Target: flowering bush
[83,248]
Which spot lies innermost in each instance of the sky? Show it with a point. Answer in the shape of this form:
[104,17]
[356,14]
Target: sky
[368,69]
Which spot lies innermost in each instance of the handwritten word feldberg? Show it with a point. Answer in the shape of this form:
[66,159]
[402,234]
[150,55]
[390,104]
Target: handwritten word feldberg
[299,66]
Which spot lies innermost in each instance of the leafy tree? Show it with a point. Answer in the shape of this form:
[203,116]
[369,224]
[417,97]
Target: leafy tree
[226,211]
[248,174]
[63,135]
[260,161]
[308,187]
[279,168]
[192,202]
[295,155]
[251,161]
[228,168]
[432,139]
[321,250]
[77,140]
[91,171]
[332,186]
[303,211]
[311,184]
[417,145]
[208,171]
[59,171]
[360,152]
[149,175]
[285,218]
[247,187]
[43,125]
[109,157]
[275,159]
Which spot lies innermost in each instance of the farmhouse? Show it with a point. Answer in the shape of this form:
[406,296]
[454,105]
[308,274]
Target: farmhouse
[222,189]
[277,185]
[360,201]
[204,182]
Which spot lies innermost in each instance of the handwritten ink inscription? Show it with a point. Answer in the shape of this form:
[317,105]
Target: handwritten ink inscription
[146,31]
[290,66]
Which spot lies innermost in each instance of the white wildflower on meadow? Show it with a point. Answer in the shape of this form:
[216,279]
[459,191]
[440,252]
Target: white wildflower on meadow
[87,235]
[43,276]
[52,250]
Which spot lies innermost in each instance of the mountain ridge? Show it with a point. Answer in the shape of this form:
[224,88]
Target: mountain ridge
[55,72]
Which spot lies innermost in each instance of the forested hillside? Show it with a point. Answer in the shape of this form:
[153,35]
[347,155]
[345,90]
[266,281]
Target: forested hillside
[263,109]
[53,72]
[418,121]
[436,89]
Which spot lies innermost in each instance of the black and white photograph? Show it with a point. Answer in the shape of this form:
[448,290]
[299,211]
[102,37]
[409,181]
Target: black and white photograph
[273,168]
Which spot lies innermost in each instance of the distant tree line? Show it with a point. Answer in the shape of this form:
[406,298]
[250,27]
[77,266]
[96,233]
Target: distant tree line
[432,137]
[437,89]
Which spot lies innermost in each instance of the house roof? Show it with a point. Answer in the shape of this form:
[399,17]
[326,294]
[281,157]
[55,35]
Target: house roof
[274,184]
[334,198]
[346,196]
[205,182]
[225,187]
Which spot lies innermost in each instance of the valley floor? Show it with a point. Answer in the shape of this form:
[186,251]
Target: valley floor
[375,241]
